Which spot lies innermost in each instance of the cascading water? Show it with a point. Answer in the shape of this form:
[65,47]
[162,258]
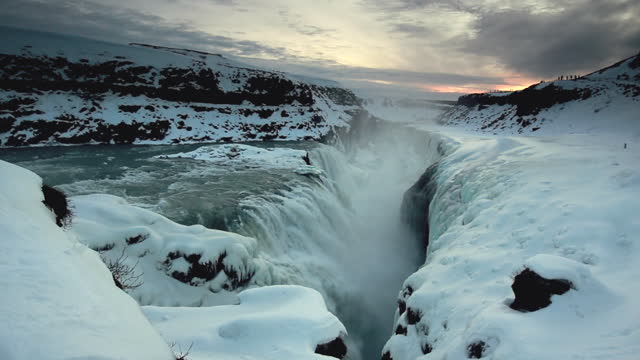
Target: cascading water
[341,233]
[338,232]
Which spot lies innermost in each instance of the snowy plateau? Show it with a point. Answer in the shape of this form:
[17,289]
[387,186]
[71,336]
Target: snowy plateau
[502,227]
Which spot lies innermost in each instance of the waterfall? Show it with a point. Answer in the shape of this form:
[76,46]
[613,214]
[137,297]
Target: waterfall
[341,234]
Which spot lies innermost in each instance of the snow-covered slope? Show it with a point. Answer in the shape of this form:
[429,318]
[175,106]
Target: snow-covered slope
[604,100]
[58,299]
[565,208]
[57,89]
[269,323]
[174,265]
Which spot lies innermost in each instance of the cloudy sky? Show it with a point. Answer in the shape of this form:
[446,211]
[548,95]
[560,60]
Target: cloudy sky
[412,45]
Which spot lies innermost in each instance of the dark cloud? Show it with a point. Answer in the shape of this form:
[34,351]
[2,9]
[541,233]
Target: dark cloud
[584,36]
[413,5]
[537,38]
[102,22]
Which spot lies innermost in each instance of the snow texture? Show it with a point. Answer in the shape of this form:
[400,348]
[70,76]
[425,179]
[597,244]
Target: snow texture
[269,323]
[59,300]
[239,155]
[178,265]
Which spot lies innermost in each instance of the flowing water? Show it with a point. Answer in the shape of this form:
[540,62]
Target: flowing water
[339,232]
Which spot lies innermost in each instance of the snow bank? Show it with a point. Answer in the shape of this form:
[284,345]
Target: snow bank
[59,300]
[239,155]
[564,207]
[178,265]
[275,322]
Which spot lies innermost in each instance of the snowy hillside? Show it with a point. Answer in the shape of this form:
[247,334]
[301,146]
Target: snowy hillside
[57,89]
[608,98]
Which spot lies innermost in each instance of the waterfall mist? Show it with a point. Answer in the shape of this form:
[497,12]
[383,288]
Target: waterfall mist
[343,236]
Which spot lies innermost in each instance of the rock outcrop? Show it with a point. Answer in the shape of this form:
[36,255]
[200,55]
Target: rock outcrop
[58,89]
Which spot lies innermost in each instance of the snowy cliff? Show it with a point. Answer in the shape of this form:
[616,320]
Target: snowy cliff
[601,100]
[57,89]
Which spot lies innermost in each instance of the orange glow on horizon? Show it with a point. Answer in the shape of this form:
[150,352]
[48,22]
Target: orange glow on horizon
[513,84]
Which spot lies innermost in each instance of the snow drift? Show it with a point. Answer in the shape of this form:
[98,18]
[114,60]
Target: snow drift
[59,300]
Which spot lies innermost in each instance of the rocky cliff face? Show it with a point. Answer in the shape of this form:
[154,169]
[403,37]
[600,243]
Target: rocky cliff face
[577,105]
[58,89]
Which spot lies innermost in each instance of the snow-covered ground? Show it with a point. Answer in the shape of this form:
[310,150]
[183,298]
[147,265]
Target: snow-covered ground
[270,323]
[563,206]
[562,203]
[58,299]
[604,101]
[174,265]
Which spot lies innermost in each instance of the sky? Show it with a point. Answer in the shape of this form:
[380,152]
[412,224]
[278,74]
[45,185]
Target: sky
[411,46]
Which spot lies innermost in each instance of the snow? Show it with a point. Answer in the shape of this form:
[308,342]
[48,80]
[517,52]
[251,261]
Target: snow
[239,155]
[107,222]
[611,105]
[59,300]
[564,206]
[274,322]
[60,293]
[189,122]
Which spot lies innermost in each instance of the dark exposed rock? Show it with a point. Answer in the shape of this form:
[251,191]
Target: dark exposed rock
[528,101]
[401,330]
[476,350]
[306,159]
[90,81]
[56,201]
[533,292]
[335,348]
[426,348]
[416,202]
[413,316]
[386,356]
[137,239]
[402,307]
[129,108]
[205,270]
